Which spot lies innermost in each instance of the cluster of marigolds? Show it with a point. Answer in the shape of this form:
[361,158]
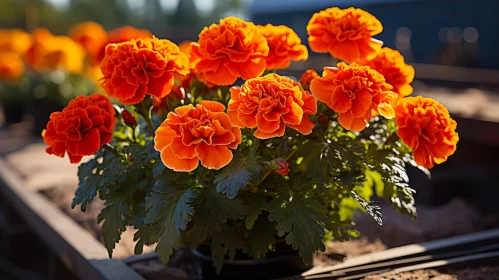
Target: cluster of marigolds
[369,81]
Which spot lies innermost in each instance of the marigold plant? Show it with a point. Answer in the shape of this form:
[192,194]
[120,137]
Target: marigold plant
[391,64]
[91,36]
[143,66]
[345,33]
[199,158]
[120,35]
[425,126]
[284,46]
[81,128]
[354,92]
[50,52]
[15,40]
[229,50]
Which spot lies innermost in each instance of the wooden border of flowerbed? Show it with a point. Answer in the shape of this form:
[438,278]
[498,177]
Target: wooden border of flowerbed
[75,247]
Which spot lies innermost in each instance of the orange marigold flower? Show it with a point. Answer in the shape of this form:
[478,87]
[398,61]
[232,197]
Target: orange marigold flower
[90,35]
[307,78]
[192,134]
[270,103]
[81,128]
[426,126]
[226,51]
[284,46]
[15,40]
[120,35]
[345,34]
[354,91]
[390,63]
[142,66]
[11,66]
[50,52]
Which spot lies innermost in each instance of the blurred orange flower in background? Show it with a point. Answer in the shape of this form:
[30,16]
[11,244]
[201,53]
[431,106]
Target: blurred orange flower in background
[120,35]
[90,35]
[226,51]
[271,103]
[143,66]
[346,34]
[192,134]
[354,91]
[284,46]
[81,128]
[50,52]
[307,78]
[11,66]
[426,126]
[390,63]
[15,40]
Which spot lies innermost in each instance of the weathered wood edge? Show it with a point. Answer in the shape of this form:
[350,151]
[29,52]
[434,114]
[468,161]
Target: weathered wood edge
[76,247]
[406,251]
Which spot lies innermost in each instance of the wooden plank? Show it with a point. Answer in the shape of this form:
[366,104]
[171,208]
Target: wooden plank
[76,247]
[406,251]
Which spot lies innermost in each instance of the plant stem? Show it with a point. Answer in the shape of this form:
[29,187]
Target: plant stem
[144,108]
[112,150]
[254,187]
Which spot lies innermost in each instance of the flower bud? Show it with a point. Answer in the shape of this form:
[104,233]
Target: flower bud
[129,118]
[280,166]
[307,78]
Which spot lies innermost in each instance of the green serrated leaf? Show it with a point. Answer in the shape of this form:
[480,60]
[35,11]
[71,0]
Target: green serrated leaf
[372,207]
[169,212]
[89,183]
[256,203]
[303,219]
[114,224]
[212,211]
[260,237]
[225,243]
[238,174]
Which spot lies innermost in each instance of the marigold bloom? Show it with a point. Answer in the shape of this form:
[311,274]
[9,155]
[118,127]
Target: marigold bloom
[390,63]
[142,66]
[426,126]
[226,51]
[90,35]
[11,66]
[15,40]
[353,92]
[81,128]
[50,52]
[284,46]
[307,78]
[192,134]
[120,35]
[271,103]
[345,34]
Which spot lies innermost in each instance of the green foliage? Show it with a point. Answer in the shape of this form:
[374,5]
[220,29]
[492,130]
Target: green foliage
[301,217]
[246,206]
[169,212]
[114,224]
[238,174]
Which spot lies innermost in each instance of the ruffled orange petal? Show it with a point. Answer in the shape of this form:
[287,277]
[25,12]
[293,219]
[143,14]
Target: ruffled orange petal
[278,133]
[213,157]
[234,119]
[182,151]
[171,161]
[237,133]
[322,90]
[305,127]
[164,136]
[349,121]
[213,105]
